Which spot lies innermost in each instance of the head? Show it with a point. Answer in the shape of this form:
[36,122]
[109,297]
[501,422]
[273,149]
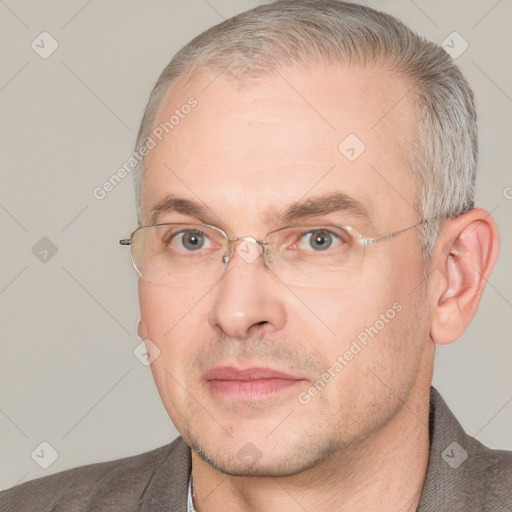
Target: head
[288,105]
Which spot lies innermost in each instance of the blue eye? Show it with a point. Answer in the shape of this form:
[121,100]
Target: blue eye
[192,240]
[319,240]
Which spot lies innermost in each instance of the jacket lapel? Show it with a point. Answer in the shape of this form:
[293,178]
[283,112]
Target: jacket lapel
[455,478]
[168,487]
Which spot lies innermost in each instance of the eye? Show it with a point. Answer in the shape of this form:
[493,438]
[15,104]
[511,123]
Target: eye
[319,240]
[189,240]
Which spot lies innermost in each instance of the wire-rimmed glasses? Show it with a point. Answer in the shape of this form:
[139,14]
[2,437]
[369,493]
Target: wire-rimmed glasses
[196,255]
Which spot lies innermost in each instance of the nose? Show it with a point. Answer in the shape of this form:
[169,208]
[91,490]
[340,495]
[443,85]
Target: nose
[249,297]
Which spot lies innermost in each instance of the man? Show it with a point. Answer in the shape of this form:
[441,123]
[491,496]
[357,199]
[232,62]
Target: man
[307,236]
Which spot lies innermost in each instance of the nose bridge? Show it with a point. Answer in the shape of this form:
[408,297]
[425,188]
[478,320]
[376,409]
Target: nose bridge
[247,248]
[243,298]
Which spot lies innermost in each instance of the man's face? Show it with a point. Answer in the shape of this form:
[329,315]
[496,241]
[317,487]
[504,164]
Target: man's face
[239,361]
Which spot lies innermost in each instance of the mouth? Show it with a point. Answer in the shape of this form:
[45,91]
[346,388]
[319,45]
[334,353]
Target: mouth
[249,383]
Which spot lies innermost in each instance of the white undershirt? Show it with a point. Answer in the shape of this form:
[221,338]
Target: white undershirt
[190,501]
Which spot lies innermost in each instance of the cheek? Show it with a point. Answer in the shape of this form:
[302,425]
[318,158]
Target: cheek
[172,320]
[165,310]
[383,311]
[379,337]
[340,316]
[156,310]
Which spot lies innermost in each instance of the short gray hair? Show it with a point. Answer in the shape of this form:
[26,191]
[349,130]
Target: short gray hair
[288,33]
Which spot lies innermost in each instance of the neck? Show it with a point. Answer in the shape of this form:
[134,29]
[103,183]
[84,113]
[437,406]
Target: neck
[384,472]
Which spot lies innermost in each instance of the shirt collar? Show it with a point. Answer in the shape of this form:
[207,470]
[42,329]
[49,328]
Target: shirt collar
[190,500]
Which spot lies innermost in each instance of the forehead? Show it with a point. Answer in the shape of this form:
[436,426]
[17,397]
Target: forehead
[256,146]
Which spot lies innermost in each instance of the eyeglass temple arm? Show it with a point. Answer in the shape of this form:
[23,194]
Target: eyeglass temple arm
[371,241]
[125,241]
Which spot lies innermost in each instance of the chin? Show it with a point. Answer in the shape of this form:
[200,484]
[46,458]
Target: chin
[250,461]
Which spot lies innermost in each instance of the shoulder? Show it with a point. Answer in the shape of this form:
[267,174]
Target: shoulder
[463,473]
[122,481]
[487,474]
[496,476]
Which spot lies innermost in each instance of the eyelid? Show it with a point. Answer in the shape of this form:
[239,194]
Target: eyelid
[333,233]
[308,228]
[338,233]
[172,234]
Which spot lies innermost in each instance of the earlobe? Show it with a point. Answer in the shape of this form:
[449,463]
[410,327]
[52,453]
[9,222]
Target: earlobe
[448,325]
[448,322]
[466,254]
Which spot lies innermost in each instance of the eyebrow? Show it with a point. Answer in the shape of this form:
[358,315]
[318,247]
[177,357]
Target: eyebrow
[176,204]
[337,202]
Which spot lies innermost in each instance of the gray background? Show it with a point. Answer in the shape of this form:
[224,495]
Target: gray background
[68,375]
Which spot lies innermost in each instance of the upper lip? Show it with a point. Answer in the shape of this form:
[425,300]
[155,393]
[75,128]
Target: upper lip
[241,374]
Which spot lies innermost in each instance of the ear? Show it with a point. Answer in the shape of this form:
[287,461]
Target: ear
[142,330]
[465,255]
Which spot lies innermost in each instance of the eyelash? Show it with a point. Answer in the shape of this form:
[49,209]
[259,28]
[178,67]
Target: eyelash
[169,238]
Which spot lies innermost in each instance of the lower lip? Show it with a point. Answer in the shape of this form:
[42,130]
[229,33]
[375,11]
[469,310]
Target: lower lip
[250,389]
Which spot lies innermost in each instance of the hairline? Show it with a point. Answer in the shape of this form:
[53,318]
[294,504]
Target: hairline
[196,69]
